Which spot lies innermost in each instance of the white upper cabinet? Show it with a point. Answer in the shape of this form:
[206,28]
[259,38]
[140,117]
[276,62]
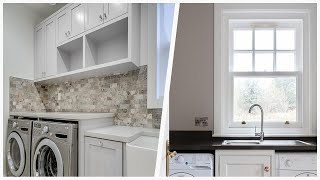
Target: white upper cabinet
[77,19]
[82,40]
[113,10]
[63,26]
[39,65]
[244,163]
[50,47]
[94,15]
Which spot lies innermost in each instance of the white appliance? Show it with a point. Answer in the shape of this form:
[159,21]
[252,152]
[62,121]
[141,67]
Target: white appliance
[142,151]
[297,164]
[191,165]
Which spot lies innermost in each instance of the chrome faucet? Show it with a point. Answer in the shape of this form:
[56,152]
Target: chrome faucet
[261,134]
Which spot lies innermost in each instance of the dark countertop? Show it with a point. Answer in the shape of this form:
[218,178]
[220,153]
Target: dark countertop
[202,141]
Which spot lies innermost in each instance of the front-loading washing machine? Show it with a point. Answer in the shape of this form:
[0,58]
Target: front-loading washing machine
[296,164]
[18,147]
[54,149]
[191,165]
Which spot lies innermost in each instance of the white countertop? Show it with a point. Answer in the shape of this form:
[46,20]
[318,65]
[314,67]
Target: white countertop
[72,116]
[121,133]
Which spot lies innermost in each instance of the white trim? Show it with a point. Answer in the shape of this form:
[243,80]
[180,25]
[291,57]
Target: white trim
[153,101]
[222,90]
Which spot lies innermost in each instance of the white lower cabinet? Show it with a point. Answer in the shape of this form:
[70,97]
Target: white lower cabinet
[102,157]
[256,163]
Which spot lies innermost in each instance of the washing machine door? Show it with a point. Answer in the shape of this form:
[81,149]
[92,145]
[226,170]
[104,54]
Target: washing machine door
[181,174]
[47,160]
[306,174]
[16,154]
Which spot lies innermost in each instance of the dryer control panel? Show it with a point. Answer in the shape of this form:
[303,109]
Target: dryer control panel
[297,161]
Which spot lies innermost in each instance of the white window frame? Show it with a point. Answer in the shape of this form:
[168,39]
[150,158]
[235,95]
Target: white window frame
[154,100]
[274,24]
[222,112]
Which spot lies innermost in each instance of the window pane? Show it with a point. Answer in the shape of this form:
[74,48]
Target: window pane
[277,96]
[242,62]
[285,61]
[264,62]
[285,39]
[164,29]
[242,39]
[263,39]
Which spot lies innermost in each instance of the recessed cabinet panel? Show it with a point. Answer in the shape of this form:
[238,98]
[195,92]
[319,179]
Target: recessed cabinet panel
[244,163]
[107,44]
[102,157]
[63,23]
[51,48]
[77,19]
[94,15]
[114,10]
[39,52]
[70,56]
[244,166]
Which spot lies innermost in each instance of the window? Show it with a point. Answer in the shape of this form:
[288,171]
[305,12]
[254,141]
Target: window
[264,54]
[160,20]
[265,67]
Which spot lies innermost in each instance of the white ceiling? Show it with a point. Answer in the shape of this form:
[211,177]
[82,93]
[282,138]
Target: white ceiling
[43,10]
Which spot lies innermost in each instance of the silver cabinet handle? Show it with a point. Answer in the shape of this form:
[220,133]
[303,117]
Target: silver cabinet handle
[66,34]
[100,16]
[69,32]
[100,143]
[105,15]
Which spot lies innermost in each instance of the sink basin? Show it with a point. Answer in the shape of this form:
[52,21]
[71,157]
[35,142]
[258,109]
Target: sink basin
[141,156]
[265,143]
[241,142]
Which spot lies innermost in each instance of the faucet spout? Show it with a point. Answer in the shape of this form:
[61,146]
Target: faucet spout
[261,134]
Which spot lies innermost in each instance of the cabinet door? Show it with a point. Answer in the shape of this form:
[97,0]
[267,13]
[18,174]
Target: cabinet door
[39,63]
[50,47]
[102,157]
[230,163]
[63,26]
[77,19]
[255,166]
[93,15]
[113,10]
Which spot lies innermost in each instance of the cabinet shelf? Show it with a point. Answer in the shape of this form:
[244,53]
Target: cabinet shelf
[70,56]
[111,68]
[107,44]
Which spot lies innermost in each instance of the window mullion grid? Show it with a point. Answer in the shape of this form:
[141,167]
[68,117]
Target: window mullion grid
[274,49]
[253,49]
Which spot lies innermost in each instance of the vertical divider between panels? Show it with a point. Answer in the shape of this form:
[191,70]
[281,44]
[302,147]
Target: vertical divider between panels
[274,49]
[253,49]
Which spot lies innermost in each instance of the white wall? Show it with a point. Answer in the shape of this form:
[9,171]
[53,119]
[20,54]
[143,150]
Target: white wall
[191,91]
[18,51]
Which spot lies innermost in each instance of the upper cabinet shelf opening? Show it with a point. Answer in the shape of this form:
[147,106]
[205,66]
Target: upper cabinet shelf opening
[107,44]
[90,40]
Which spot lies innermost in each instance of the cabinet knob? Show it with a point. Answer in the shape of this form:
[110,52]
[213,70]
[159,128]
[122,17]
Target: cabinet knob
[100,143]
[266,169]
[105,15]
[69,32]
[100,16]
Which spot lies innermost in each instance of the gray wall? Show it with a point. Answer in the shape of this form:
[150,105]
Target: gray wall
[18,30]
[191,92]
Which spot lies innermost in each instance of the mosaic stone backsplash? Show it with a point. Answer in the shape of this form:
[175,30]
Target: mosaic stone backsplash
[24,96]
[124,94]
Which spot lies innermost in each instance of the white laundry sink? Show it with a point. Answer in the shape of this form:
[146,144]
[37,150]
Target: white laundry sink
[141,155]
